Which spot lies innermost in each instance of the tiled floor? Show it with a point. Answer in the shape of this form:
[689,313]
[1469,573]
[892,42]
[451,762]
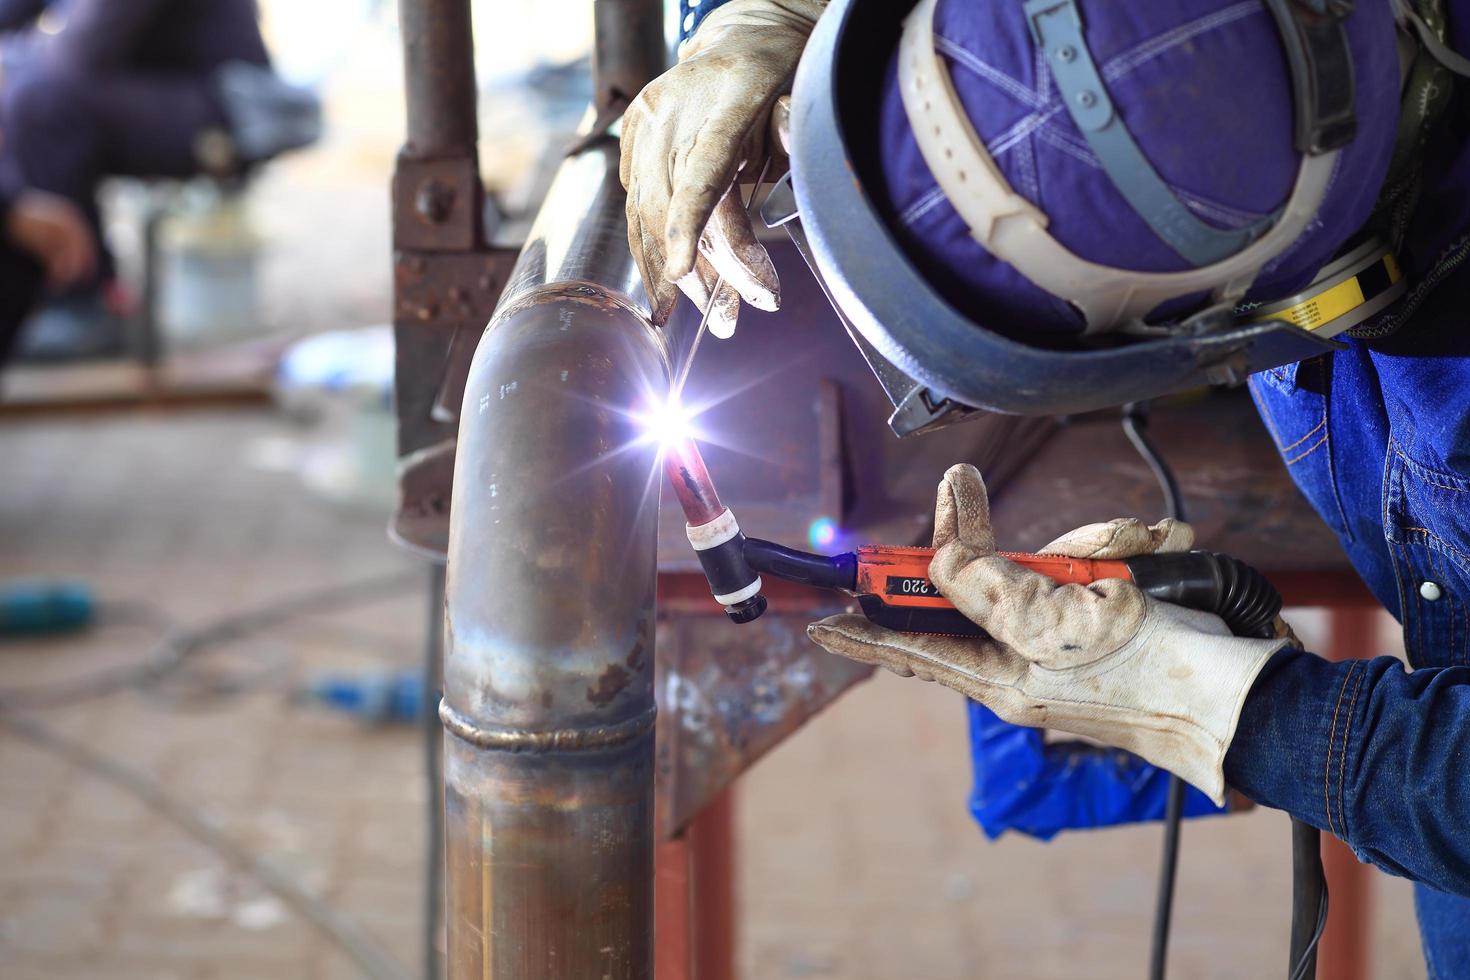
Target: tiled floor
[857,858]
[169,514]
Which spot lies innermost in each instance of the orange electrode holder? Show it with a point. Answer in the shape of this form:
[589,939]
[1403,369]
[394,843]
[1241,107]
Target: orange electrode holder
[901,575]
[894,589]
[892,585]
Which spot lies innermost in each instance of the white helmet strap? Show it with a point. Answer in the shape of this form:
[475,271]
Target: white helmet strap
[1013,230]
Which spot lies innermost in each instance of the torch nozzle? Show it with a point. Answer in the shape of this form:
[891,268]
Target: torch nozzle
[714,533]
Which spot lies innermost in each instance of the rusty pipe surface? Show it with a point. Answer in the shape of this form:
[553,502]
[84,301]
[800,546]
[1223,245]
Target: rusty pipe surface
[439,77]
[548,674]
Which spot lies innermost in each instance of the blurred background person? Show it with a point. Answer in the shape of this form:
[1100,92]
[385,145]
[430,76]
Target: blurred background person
[96,88]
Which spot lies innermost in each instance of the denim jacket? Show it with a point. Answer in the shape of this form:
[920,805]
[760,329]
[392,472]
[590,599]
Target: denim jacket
[1378,439]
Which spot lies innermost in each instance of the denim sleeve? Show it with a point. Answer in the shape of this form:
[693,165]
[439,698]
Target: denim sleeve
[1367,751]
[691,15]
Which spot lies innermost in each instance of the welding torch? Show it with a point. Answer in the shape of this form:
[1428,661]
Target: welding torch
[893,589]
[892,585]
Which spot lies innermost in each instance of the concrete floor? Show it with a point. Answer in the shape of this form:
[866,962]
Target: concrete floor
[857,858]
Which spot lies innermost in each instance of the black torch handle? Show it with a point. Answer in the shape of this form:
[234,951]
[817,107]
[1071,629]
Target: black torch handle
[1211,582]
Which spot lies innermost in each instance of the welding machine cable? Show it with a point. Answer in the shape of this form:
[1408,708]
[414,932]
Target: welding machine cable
[1104,661]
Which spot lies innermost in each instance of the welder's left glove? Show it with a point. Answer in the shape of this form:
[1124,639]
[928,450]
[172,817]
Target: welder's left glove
[1104,661]
[685,139]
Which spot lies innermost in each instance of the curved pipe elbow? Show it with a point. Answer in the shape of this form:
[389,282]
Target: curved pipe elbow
[554,525]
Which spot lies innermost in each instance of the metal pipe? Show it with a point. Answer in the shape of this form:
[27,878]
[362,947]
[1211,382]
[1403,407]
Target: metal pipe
[439,77]
[548,704]
[628,50]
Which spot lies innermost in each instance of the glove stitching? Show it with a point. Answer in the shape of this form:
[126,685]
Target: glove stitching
[1112,538]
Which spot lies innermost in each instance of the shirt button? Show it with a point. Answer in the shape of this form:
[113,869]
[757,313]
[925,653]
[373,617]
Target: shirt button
[1430,590]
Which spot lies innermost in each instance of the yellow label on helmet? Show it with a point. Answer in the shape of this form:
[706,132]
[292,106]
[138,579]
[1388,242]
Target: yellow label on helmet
[1334,302]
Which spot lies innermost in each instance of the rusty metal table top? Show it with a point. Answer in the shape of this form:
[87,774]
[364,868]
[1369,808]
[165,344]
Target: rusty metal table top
[1236,490]
[804,437]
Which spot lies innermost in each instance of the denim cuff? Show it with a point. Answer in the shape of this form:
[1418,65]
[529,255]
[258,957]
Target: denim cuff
[1290,746]
[1368,752]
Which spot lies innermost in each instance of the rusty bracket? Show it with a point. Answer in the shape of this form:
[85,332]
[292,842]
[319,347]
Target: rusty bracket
[442,301]
[449,289]
[729,694]
[438,204]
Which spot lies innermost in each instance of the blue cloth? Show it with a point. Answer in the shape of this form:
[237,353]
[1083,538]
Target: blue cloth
[1039,789]
[1378,439]
[1202,86]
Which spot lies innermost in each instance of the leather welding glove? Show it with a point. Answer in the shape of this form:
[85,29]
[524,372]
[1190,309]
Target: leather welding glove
[1104,661]
[684,140]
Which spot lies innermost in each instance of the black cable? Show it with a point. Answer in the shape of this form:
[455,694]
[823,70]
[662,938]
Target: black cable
[1168,875]
[178,645]
[1309,891]
[1135,423]
[1308,881]
[1135,427]
[433,770]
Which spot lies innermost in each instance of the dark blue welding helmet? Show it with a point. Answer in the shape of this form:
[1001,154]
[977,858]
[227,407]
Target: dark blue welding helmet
[1056,206]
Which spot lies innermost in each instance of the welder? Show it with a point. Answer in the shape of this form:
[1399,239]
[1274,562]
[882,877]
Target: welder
[106,87]
[1071,173]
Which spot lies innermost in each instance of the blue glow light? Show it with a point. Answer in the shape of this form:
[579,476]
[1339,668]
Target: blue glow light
[822,533]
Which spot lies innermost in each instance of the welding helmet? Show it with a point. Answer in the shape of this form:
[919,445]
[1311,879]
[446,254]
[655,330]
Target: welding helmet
[1052,206]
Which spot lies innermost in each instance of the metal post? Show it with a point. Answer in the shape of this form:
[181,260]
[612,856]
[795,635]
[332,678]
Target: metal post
[438,200]
[548,671]
[438,76]
[628,52]
[712,841]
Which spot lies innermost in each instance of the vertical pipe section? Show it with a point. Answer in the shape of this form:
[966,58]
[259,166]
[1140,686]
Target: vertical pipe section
[628,50]
[548,674]
[434,771]
[439,77]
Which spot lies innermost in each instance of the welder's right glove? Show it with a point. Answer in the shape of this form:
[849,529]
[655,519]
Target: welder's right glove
[1104,661]
[684,139]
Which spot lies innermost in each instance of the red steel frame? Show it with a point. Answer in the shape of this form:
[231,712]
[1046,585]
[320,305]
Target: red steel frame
[695,878]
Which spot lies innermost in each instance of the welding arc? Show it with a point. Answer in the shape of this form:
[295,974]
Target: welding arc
[347,936]
[682,374]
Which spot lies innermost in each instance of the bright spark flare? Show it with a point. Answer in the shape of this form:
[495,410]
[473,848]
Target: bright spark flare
[667,422]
